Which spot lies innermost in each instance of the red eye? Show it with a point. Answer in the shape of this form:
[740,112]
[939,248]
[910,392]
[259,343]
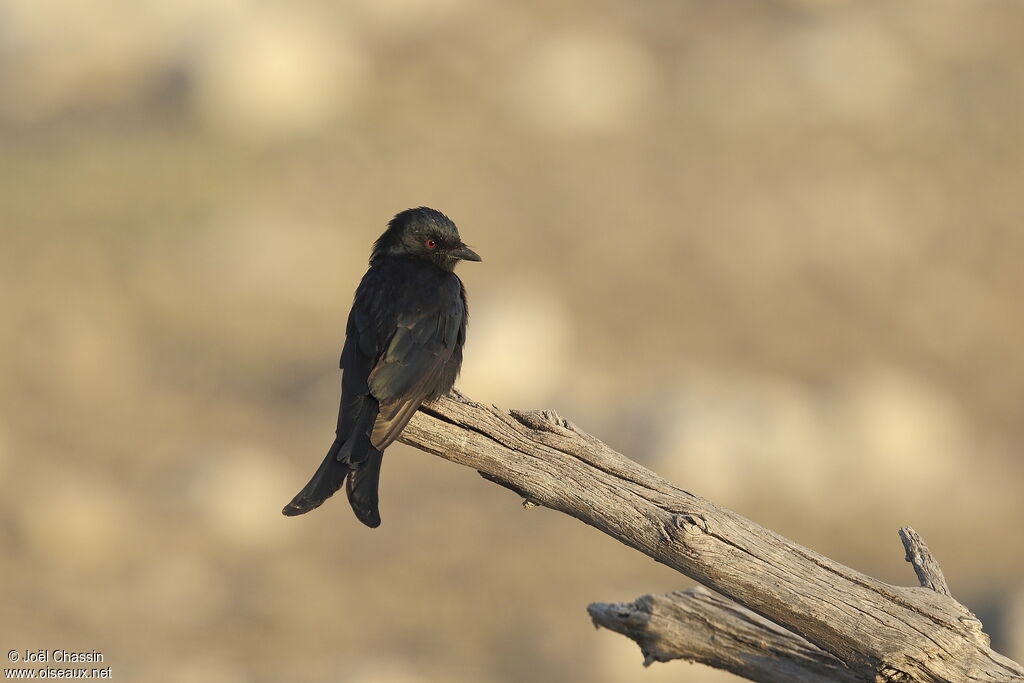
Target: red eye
[431,244]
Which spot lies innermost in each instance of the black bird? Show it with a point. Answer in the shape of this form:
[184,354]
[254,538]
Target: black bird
[403,346]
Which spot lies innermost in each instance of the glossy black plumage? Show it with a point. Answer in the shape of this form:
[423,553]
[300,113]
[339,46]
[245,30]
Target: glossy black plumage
[403,345]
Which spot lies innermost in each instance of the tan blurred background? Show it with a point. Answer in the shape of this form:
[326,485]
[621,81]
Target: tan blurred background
[769,249]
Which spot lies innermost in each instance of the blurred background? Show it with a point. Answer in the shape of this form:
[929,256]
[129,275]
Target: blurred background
[769,249]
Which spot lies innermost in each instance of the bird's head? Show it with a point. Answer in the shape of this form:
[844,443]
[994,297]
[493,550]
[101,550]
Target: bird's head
[425,234]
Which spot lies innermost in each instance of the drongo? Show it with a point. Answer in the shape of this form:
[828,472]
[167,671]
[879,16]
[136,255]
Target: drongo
[403,346]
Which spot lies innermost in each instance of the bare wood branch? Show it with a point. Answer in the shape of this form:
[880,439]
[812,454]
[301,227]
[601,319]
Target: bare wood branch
[892,633]
[700,626]
[925,565]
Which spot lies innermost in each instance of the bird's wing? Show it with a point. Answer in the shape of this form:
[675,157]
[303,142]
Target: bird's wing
[411,366]
[357,359]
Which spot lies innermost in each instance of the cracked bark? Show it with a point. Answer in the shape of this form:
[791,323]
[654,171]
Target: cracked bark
[925,566]
[878,631]
[700,626]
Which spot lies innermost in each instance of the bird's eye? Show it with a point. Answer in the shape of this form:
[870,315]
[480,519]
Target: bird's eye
[431,244]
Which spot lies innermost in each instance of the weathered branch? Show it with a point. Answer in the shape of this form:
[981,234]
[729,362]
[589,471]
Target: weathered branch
[885,632]
[925,566]
[700,626]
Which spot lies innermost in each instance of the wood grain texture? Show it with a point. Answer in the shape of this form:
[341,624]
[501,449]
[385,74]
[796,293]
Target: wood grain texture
[891,632]
[700,626]
[924,564]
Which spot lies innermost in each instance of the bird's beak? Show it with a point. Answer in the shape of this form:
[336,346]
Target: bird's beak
[466,254]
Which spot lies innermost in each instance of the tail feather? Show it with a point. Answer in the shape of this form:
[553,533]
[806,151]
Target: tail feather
[356,458]
[325,481]
[362,488]
[357,432]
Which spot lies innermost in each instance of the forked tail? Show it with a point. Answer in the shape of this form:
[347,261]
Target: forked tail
[325,481]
